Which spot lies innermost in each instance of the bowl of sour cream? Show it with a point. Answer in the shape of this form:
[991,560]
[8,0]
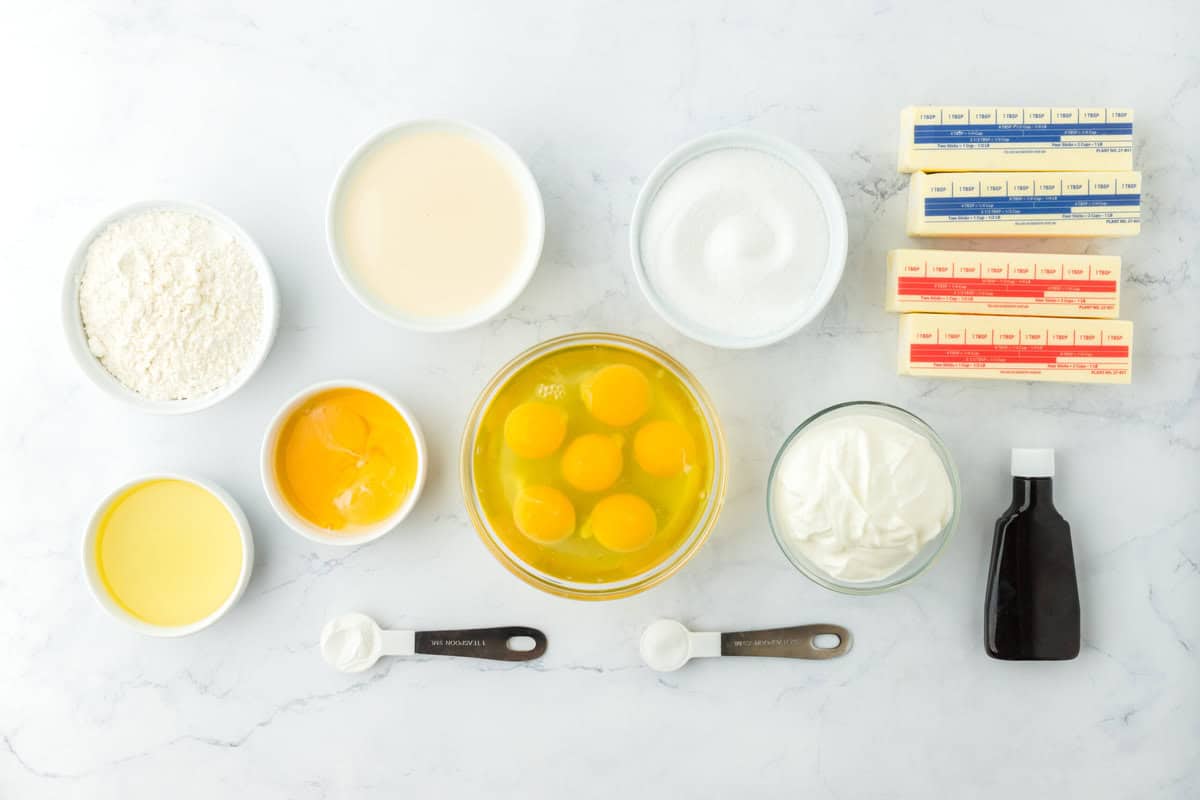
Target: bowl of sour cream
[863,497]
[738,239]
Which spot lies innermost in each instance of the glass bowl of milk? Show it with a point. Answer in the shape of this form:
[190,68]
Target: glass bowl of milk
[738,239]
[863,497]
[435,225]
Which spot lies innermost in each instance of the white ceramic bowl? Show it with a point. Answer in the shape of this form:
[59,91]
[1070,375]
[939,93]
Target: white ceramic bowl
[519,280]
[284,509]
[91,366]
[92,572]
[802,162]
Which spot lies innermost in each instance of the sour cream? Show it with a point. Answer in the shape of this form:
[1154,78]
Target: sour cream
[858,496]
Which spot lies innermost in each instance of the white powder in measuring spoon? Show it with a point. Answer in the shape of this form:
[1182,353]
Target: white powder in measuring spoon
[736,242]
[171,304]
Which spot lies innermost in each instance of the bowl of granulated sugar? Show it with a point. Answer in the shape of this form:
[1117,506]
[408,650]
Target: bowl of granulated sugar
[169,306]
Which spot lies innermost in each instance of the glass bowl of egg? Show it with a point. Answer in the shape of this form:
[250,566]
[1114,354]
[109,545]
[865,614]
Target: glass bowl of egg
[593,466]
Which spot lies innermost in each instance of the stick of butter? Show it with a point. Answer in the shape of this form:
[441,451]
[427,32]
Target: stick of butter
[998,139]
[1025,204]
[1037,284]
[1016,348]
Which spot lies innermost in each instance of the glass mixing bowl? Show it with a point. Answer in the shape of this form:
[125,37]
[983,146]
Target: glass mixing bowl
[687,546]
[924,557]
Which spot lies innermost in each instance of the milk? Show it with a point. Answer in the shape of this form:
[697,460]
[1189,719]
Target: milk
[433,222]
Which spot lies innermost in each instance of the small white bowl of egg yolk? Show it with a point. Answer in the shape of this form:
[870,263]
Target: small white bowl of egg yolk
[593,466]
[343,462]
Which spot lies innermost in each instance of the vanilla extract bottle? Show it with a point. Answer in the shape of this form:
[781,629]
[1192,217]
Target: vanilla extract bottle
[1032,608]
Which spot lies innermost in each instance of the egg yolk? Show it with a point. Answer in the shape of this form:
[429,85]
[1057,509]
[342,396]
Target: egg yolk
[346,458]
[664,448]
[535,430]
[544,514]
[592,463]
[617,395]
[623,523]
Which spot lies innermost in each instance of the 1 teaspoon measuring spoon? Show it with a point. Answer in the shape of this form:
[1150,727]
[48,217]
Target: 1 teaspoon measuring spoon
[354,642]
[667,645]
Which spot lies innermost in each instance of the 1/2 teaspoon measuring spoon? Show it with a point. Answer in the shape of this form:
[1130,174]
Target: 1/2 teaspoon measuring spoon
[667,645]
[354,642]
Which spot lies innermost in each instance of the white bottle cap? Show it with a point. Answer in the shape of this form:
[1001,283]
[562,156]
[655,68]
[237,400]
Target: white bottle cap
[1032,463]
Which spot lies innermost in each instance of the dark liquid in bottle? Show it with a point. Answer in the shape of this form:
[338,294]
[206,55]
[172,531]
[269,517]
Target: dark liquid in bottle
[1032,595]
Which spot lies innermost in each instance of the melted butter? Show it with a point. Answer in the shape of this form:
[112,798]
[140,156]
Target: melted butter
[169,552]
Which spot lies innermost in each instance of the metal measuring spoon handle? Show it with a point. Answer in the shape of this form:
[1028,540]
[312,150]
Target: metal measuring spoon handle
[492,643]
[798,641]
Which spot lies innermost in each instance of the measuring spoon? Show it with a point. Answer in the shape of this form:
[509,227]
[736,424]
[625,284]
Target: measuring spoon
[667,645]
[354,642]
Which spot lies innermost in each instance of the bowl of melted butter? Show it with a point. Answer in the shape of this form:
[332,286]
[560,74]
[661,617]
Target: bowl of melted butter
[167,554]
[593,466]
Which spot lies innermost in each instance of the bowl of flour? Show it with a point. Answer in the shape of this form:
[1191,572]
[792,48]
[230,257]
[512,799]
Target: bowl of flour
[169,306]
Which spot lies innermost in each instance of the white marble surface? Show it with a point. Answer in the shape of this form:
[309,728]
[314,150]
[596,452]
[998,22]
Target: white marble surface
[251,107]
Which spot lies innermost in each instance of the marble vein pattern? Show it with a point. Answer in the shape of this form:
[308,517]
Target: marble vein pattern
[251,107]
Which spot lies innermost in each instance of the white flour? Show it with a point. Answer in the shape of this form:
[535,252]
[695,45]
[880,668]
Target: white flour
[171,304]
